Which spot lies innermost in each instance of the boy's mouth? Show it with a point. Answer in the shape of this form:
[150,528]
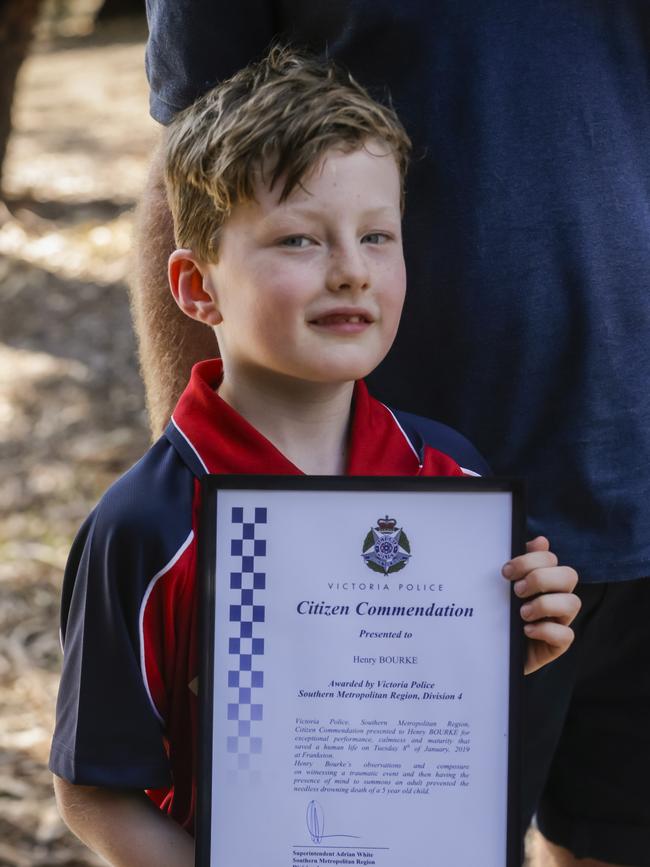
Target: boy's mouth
[343,317]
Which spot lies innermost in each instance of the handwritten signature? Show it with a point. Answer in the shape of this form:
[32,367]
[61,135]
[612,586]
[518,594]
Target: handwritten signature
[316,824]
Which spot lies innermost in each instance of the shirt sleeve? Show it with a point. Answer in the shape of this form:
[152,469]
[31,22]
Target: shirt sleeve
[193,44]
[106,732]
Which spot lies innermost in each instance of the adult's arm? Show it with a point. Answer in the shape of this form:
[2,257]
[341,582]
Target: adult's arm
[169,342]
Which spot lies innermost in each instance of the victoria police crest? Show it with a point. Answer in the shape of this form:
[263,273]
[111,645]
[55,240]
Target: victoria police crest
[386,548]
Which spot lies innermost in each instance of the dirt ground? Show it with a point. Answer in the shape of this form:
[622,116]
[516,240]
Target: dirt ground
[71,401]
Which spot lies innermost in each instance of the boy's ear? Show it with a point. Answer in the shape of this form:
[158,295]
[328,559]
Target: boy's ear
[192,287]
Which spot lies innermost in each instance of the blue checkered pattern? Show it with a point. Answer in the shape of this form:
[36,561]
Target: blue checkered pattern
[246,644]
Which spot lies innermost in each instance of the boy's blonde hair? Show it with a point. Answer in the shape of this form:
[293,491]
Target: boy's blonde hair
[278,116]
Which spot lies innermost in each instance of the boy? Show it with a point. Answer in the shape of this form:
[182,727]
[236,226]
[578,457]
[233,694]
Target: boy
[286,188]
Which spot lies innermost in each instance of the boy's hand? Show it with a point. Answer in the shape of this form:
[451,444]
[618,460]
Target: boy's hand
[551,606]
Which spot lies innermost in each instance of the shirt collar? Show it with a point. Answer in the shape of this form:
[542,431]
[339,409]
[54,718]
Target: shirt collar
[213,437]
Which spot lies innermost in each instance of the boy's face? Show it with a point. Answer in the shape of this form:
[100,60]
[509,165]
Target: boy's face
[312,288]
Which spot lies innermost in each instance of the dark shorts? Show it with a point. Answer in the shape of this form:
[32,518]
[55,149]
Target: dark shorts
[587,731]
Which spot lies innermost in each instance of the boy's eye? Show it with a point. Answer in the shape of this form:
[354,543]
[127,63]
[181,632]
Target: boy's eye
[296,241]
[375,238]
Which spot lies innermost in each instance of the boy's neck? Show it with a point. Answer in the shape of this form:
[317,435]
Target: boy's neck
[308,422]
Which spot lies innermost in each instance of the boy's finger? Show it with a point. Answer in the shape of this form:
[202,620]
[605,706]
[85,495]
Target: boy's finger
[546,641]
[554,634]
[520,566]
[561,607]
[557,579]
[539,543]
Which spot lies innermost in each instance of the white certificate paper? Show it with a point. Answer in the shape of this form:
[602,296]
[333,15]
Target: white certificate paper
[359,675]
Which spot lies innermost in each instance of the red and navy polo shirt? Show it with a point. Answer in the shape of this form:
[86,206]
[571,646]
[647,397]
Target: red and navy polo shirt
[127,712]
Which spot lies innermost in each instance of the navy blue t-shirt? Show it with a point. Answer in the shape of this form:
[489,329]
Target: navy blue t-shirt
[527,230]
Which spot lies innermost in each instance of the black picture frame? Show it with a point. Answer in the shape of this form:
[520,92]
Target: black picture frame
[206,583]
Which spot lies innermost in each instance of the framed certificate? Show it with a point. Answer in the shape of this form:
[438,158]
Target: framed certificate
[362,660]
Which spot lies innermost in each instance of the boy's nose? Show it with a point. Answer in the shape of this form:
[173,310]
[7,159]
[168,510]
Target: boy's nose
[348,270]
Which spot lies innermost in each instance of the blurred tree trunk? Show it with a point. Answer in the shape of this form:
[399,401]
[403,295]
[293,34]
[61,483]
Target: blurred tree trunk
[17,20]
[119,8]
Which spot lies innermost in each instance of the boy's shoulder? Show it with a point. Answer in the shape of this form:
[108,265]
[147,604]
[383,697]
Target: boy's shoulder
[143,520]
[151,496]
[422,432]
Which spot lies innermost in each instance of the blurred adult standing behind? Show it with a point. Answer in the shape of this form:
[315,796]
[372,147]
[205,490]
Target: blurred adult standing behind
[528,257]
